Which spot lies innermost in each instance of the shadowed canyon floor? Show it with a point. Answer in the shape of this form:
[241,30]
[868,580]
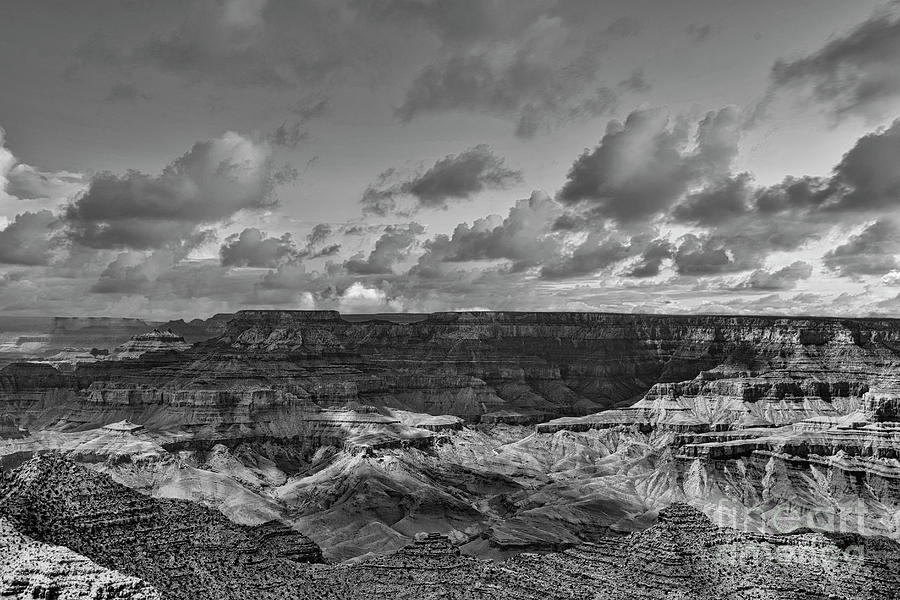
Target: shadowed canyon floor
[580,453]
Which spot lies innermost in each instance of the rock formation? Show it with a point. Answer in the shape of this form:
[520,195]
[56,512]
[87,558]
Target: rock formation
[179,547]
[505,432]
[30,569]
[153,341]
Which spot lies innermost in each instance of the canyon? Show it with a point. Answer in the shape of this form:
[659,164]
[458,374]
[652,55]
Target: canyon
[507,454]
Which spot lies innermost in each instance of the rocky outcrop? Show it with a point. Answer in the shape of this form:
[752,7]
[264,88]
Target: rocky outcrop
[682,556]
[181,548]
[153,341]
[30,569]
[28,338]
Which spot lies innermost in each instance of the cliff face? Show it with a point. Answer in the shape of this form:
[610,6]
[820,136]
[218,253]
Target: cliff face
[518,367]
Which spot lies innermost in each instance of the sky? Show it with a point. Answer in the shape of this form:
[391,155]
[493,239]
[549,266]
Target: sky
[174,159]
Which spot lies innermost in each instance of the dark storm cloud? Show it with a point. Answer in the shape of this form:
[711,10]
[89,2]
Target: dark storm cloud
[870,252]
[211,182]
[454,177]
[785,278]
[855,73]
[393,245]
[252,248]
[30,239]
[645,164]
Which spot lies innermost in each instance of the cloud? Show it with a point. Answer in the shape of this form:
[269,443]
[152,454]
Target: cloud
[319,234]
[289,135]
[867,175]
[716,204]
[359,298]
[548,74]
[214,34]
[699,33]
[30,239]
[783,279]
[651,259]
[393,245]
[871,252]
[595,253]
[124,93]
[636,82]
[711,255]
[523,238]
[454,177]
[251,248]
[642,166]
[28,183]
[20,181]
[624,27]
[854,73]
[210,183]
[310,108]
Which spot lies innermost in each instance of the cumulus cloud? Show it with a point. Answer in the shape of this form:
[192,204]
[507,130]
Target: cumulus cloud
[393,245]
[871,252]
[210,183]
[19,181]
[28,183]
[30,239]
[711,255]
[854,73]
[252,248]
[720,202]
[642,166]
[651,259]
[785,278]
[595,253]
[523,238]
[358,298]
[868,176]
[454,177]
